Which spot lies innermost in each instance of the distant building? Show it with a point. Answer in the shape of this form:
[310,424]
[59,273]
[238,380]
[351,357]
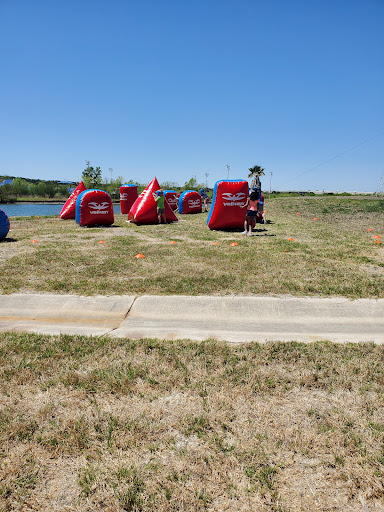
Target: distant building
[69,188]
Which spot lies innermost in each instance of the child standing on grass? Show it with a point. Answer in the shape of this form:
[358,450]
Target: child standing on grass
[204,196]
[159,198]
[251,205]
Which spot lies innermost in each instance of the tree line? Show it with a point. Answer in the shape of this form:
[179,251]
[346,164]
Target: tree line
[92,177]
[22,188]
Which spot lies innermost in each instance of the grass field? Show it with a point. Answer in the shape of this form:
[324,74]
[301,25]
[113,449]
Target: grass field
[91,424]
[100,424]
[333,255]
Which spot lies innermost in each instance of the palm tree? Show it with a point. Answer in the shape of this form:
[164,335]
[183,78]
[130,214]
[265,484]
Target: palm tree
[255,172]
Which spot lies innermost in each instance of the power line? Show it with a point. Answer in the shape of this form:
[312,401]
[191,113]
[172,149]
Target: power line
[333,158]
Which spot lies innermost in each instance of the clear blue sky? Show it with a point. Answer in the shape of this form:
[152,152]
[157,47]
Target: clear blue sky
[176,88]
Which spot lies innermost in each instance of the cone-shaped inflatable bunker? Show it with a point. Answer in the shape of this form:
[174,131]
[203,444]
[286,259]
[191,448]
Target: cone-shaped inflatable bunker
[226,211]
[4,225]
[144,210]
[172,197]
[68,211]
[190,202]
[128,195]
[94,208]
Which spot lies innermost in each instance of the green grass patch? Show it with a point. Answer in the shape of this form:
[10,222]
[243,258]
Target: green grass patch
[334,255]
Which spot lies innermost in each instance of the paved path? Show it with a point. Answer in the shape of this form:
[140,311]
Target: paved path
[233,319]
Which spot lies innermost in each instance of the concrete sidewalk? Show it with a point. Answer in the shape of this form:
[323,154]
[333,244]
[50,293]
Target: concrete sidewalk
[233,319]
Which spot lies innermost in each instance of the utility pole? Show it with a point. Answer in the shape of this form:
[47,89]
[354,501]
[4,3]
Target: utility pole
[228,169]
[270,184]
[379,190]
[206,179]
[111,171]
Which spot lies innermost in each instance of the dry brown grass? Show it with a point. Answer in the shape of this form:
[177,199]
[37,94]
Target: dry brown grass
[99,424]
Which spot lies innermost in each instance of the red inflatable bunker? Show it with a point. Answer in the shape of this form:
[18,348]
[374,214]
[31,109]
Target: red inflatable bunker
[68,211]
[144,210]
[128,195]
[190,202]
[226,211]
[94,208]
[173,198]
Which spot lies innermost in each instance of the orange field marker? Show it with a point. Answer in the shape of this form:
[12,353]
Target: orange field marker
[101,242]
[315,218]
[215,243]
[233,244]
[173,242]
[377,236]
[139,256]
[34,241]
[291,239]
[369,229]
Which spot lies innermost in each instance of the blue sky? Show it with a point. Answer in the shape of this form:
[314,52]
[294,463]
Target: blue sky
[176,88]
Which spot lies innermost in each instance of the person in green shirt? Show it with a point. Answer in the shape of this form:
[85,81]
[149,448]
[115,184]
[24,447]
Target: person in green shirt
[159,198]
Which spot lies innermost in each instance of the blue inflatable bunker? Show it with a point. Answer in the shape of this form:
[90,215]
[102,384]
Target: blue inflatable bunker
[190,202]
[4,225]
[94,208]
[227,212]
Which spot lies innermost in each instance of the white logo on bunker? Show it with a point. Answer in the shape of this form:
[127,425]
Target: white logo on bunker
[237,199]
[194,203]
[98,208]
[172,199]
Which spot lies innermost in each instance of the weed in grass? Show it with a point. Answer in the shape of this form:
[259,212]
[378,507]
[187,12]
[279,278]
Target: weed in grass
[19,479]
[198,425]
[129,489]
[87,479]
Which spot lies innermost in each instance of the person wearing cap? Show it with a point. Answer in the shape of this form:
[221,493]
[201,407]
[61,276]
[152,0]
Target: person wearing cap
[160,199]
[205,199]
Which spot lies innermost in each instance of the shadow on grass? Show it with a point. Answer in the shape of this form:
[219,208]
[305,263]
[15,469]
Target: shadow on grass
[8,240]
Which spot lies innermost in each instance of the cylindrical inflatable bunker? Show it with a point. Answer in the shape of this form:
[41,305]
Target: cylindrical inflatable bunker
[94,208]
[4,225]
[128,195]
[68,211]
[190,202]
[172,197]
[226,210]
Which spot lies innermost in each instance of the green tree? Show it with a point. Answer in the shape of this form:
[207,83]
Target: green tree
[62,190]
[113,188]
[5,192]
[169,185]
[255,172]
[51,189]
[192,184]
[20,187]
[92,177]
[41,189]
[33,189]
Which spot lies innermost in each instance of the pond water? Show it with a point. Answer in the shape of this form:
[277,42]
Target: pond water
[37,209]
